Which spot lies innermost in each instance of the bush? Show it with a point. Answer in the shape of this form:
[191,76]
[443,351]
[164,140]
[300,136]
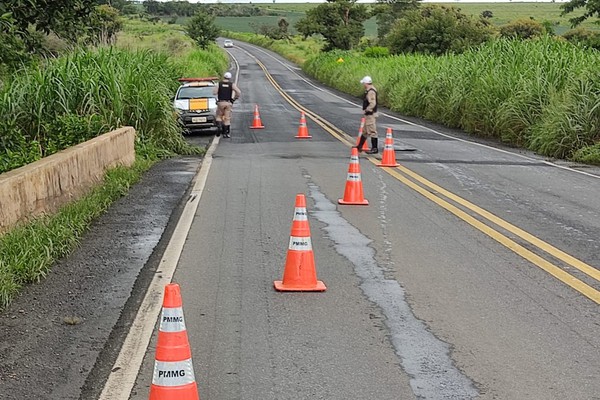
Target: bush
[436,30]
[377,52]
[13,50]
[588,154]
[584,37]
[522,29]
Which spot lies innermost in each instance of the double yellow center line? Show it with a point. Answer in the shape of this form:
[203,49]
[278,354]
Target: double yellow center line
[425,187]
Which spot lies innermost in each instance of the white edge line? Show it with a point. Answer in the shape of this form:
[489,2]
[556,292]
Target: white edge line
[127,366]
[237,65]
[291,69]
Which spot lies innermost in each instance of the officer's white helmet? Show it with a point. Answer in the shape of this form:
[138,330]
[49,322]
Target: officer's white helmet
[366,79]
[227,75]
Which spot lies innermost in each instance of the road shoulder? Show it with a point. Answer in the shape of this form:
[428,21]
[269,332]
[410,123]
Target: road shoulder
[60,333]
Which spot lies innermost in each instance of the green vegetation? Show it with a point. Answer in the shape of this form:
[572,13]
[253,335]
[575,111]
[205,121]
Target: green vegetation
[434,29]
[522,29]
[62,101]
[294,49]
[590,8]
[340,22]
[76,97]
[584,37]
[171,40]
[31,30]
[387,12]
[202,30]
[250,24]
[28,252]
[541,94]
[502,13]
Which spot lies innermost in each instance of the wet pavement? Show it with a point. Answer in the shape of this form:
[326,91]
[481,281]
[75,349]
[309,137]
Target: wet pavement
[54,332]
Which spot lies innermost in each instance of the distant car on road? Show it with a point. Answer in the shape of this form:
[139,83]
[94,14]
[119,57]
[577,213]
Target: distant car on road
[227,43]
[195,104]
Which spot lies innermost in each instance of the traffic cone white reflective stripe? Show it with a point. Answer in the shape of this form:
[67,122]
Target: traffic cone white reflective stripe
[173,373]
[172,320]
[300,243]
[300,214]
[353,177]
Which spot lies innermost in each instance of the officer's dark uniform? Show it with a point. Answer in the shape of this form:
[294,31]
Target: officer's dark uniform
[224,92]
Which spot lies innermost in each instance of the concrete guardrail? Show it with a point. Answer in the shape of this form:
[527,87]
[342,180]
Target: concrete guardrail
[45,185]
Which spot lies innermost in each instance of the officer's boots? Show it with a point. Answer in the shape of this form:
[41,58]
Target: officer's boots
[226,131]
[374,149]
[219,128]
[361,143]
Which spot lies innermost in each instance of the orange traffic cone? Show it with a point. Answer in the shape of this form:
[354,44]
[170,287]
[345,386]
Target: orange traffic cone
[173,377]
[303,129]
[389,154]
[299,274]
[360,133]
[353,195]
[257,123]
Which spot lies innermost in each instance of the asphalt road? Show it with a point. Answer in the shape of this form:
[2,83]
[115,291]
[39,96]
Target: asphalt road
[428,295]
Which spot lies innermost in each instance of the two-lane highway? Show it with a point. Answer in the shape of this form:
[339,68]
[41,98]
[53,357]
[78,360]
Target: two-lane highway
[471,274]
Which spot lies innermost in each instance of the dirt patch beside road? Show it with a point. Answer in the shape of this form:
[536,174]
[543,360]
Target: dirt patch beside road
[53,333]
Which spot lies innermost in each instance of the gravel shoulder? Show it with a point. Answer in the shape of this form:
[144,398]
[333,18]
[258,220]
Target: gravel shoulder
[60,336]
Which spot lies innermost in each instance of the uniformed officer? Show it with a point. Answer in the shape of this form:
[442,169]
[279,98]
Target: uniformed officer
[370,112]
[225,91]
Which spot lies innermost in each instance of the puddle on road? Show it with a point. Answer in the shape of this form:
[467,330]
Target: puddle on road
[424,357]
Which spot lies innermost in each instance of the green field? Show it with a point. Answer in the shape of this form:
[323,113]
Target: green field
[503,13]
[244,24]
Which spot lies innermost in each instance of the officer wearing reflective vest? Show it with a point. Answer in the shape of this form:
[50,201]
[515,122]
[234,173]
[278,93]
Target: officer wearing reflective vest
[370,112]
[225,91]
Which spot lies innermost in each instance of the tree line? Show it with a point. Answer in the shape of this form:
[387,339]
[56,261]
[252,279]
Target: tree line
[187,9]
[405,26]
[41,27]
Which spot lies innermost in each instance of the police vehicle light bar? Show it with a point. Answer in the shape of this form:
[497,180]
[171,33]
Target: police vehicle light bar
[209,79]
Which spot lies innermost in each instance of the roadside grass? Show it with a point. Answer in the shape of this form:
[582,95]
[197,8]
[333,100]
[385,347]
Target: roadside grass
[170,39]
[81,95]
[543,94]
[28,252]
[295,49]
[76,97]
